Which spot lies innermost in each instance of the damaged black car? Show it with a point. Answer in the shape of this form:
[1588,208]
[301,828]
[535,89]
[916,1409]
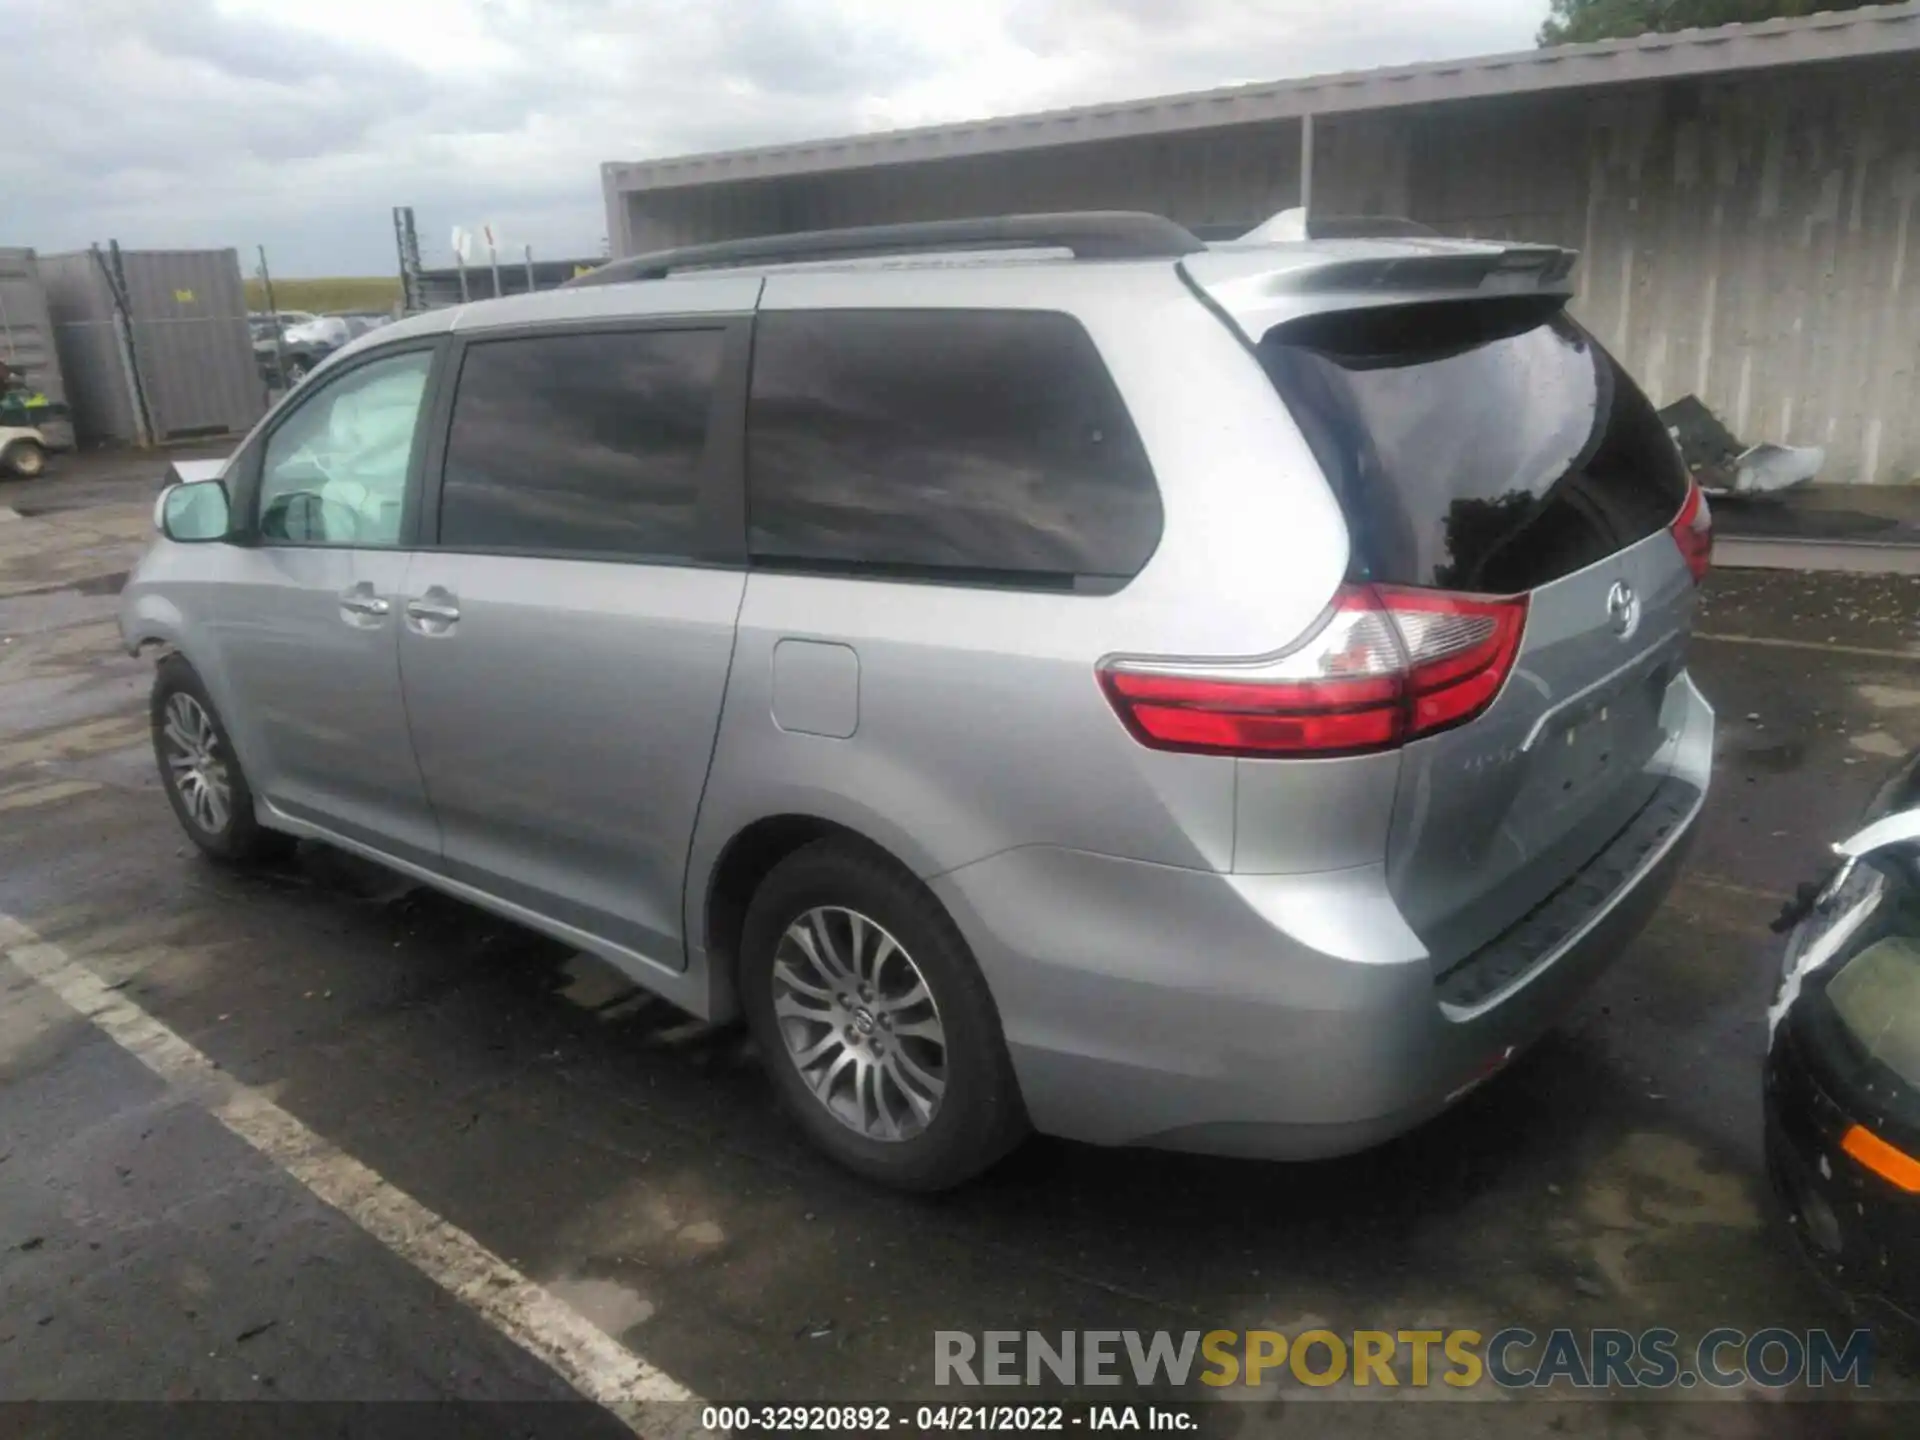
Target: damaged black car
[1843,1068]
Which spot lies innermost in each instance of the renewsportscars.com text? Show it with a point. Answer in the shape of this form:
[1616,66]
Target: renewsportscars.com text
[1512,1359]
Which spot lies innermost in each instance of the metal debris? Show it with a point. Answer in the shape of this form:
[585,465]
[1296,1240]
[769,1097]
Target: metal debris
[1723,466]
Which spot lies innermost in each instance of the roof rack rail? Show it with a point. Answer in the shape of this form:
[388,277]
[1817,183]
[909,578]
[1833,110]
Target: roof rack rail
[1090,235]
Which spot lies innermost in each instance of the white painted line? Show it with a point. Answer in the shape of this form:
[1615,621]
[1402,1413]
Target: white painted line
[1851,557]
[647,1399]
[1770,642]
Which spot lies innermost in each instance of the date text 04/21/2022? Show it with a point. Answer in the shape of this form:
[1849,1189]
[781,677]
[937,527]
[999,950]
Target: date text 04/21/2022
[962,1419]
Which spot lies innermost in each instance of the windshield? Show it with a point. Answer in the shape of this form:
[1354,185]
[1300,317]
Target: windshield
[1852,974]
[1877,997]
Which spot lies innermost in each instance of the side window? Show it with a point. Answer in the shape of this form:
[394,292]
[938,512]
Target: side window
[335,471]
[936,441]
[586,444]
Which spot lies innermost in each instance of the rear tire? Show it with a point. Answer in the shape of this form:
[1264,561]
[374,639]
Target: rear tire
[27,459]
[876,1026]
[201,773]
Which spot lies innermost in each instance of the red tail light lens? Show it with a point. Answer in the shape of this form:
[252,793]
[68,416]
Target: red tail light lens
[1389,665]
[1693,533]
[1460,650]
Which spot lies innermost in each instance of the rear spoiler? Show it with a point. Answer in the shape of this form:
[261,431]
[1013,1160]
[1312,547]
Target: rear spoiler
[1258,287]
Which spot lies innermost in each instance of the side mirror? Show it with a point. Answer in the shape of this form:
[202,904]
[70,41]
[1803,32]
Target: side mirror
[193,512]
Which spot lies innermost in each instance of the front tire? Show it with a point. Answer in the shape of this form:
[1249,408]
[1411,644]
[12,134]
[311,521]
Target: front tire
[876,1025]
[201,773]
[27,459]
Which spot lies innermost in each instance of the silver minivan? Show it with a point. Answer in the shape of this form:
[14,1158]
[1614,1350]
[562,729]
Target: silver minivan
[1041,672]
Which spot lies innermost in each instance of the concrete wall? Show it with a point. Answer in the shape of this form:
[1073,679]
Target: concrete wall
[1747,239]
[1752,244]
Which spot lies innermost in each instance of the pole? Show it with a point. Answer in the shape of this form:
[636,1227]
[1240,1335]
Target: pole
[493,261]
[460,264]
[407,242]
[273,316]
[123,343]
[1306,167]
[147,424]
[529,250]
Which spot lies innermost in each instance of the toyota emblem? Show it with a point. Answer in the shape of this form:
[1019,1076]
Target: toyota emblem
[1623,608]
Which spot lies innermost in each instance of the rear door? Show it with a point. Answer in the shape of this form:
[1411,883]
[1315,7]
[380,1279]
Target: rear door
[1493,447]
[566,637]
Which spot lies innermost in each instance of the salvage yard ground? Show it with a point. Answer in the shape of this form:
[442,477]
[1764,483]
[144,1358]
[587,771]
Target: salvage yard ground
[327,1136]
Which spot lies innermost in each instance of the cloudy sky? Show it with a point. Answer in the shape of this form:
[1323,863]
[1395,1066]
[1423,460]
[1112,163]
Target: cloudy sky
[300,123]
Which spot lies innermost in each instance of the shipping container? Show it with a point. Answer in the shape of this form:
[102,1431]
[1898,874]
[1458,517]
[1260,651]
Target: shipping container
[192,362]
[27,340]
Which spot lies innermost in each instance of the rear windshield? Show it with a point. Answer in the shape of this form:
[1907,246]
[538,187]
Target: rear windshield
[1475,447]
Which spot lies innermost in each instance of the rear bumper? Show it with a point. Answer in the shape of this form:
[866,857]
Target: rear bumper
[1280,1016]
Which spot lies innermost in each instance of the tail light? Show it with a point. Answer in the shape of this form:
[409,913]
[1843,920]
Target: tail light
[1693,533]
[1388,666]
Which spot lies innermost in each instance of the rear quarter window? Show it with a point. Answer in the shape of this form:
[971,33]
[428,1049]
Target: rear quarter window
[1477,449]
[990,447]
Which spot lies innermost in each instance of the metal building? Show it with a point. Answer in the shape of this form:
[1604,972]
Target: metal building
[1743,197]
[441,288]
[26,338]
[154,344]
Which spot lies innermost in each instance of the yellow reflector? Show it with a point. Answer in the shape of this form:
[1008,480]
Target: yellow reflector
[1883,1159]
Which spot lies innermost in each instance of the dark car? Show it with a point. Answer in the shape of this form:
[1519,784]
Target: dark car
[1843,1070]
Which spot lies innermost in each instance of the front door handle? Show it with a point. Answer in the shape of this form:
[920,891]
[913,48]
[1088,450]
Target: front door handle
[434,613]
[360,605]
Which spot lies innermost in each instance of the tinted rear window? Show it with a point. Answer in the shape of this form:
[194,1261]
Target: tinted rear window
[581,444]
[1471,461]
[990,446]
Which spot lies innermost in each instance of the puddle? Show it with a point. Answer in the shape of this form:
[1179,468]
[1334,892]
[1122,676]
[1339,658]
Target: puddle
[1650,1206]
[34,509]
[1888,697]
[701,1235]
[93,585]
[595,985]
[1779,759]
[348,876]
[1878,742]
[609,1305]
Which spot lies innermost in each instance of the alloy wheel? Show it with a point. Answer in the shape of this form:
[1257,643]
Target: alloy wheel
[194,766]
[860,1024]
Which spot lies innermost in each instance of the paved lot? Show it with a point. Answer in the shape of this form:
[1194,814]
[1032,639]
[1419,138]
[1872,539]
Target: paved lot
[632,1164]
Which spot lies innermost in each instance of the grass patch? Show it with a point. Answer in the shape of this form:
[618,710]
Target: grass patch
[328,295]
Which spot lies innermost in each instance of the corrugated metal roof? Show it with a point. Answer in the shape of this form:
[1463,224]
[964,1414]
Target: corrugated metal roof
[1846,35]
